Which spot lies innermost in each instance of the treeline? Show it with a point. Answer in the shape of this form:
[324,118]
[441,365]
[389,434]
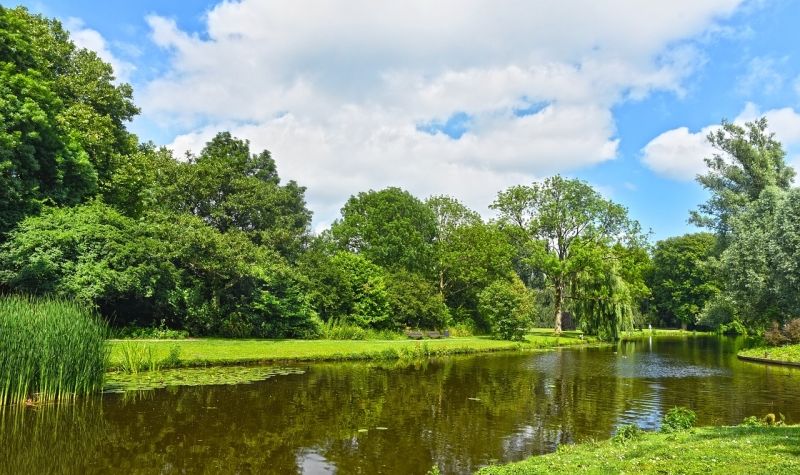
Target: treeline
[217,244]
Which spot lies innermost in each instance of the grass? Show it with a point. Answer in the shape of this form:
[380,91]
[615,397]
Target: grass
[49,349]
[787,353]
[636,334]
[705,450]
[212,351]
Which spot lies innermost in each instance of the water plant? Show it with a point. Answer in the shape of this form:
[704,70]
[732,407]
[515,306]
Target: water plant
[49,349]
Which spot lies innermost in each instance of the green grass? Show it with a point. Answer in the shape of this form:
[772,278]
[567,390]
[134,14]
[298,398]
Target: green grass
[49,349]
[787,353]
[212,351]
[633,335]
[705,450]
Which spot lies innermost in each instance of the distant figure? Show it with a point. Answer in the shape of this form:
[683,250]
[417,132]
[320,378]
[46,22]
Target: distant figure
[650,326]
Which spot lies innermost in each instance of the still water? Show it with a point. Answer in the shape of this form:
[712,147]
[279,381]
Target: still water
[457,413]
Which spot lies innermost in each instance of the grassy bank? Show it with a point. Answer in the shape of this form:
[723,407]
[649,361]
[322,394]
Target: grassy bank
[778,354]
[633,335]
[153,354]
[706,450]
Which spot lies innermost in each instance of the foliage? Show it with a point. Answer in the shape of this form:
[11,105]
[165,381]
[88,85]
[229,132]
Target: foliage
[780,354]
[684,277]
[414,302]
[627,433]
[49,349]
[605,302]
[62,134]
[170,268]
[749,160]
[558,222]
[506,305]
[678,419]
[232,189]
[734,327]
[160,332]
[336,330]
[390,227]
[788,334]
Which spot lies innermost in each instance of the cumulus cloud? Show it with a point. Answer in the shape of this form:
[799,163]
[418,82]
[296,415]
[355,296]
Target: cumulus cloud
[90,39]
[339,92]
[679,153]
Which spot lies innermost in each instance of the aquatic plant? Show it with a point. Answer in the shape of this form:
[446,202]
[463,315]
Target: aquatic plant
[49,349]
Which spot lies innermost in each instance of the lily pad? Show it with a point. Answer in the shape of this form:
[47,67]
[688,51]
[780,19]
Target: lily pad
[148,380]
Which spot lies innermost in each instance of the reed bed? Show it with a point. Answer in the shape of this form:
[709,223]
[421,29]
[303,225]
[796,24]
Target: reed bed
[49,349]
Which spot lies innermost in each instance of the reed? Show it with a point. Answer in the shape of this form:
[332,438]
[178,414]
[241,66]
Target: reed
[49,349]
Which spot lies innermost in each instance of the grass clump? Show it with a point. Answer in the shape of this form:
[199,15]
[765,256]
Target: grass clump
[49,349]
[678,419]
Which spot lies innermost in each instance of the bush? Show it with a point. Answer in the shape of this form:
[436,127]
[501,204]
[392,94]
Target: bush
[49,349]
[733,328]
[415,303]
[678,419]
[792,330]
[774,336]
[626,433]
[506,305]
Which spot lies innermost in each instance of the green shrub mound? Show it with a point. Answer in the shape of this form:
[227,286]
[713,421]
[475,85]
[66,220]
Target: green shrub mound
[49,349]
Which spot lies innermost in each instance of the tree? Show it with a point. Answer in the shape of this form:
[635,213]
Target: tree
[414,302]
[684,276]
[389,227]
[62,132]
[507,305]
[749,161]
[232,189]
[162,267]
[562,221]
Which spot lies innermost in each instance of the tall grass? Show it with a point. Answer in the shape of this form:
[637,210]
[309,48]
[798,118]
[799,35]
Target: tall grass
[49,349]
[339,330]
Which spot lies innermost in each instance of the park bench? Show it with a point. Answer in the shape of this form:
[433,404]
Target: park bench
[414,335]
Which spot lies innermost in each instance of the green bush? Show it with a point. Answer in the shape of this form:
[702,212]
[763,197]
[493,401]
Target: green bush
[626,433]
[678,419]
[506,305]
[49,349]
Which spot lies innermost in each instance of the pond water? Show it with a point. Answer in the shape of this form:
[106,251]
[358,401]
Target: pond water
[457,413]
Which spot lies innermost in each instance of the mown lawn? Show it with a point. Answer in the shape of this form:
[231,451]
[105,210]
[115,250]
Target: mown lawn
[214,351]
[705,450]
[788,353]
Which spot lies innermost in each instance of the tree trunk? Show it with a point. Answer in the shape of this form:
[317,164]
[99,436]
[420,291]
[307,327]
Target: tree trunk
[683,326]
[559,304]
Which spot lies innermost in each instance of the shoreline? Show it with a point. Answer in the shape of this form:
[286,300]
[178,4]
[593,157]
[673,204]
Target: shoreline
[787,355]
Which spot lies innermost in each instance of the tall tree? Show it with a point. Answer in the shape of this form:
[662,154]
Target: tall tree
[62,118]
[749,160]
[232,189]
[390,227]
[562,221]
[684,276]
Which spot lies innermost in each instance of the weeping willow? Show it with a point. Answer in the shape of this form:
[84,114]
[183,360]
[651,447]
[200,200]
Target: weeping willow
[603,304]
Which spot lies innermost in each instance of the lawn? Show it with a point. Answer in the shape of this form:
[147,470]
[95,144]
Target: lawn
[705,450]
[214,351]
[634,335]
[787,353]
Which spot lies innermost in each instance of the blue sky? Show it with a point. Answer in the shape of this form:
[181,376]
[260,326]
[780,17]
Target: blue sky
[458,98]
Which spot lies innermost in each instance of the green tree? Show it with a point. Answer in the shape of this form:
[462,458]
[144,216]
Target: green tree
[562,221]
[389,227]
[748,161]
[232,189]
[684,277]
[62,132]
[506,304]
[414,302]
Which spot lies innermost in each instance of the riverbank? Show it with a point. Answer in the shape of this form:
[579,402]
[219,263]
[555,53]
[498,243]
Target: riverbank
[638,334]
[212,351]
[785,355]
[707,450]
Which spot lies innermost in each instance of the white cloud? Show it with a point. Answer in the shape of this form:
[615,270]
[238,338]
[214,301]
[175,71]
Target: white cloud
[763,75]
[679,153]
[84,37]
[336,90]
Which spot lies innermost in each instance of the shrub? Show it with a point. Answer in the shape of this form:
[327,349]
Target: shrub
[732,328]
[626,433]
[678,419]
[506,305]
[49,349]
[792,330]
[415,303]
[774,336]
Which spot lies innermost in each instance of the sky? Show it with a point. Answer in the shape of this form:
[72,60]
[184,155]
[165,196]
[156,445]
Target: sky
[464,97]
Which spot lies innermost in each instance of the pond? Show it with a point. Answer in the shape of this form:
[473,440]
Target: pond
[457,413]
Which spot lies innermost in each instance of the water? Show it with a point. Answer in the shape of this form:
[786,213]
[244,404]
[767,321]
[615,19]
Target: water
[457,413]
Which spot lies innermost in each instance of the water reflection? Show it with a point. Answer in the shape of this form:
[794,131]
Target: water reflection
[458,413]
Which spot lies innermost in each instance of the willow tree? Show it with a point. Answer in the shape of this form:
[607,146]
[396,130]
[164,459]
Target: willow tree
[562,221]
